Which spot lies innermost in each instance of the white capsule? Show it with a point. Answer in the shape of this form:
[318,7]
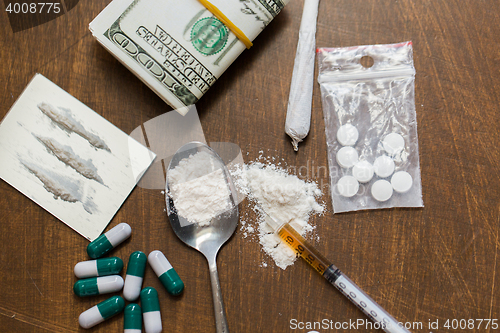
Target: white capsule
[401,181]
[98,285]
[109,284]
[166,273]
[159,262]
[90,318]
[118,234]
[347,157]
[132,321]
[86,269]
[383,166]
[347,135]
[102,311]
[152,322]
[381,190]
[99,267]
[132,289]
[151,310]
[135,275]
[108,241]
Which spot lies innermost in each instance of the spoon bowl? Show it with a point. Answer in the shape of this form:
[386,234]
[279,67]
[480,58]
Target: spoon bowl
[207,239]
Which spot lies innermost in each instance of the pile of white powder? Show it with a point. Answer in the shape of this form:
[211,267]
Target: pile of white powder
[284,197]
[199,192]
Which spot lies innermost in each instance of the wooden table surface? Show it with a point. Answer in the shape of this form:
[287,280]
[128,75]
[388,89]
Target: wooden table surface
[438,263]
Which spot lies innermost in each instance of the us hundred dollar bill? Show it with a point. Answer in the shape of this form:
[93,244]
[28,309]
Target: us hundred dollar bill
[177,47]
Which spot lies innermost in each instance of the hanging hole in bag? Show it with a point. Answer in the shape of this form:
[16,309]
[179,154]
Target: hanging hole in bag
[366,61]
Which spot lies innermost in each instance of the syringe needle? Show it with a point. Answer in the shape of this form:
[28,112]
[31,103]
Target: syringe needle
[348,288]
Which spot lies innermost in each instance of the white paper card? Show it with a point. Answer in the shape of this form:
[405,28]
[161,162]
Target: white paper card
[67,158]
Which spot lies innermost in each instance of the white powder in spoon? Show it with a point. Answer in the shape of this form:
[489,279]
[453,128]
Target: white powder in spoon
[199,193]
[282,196]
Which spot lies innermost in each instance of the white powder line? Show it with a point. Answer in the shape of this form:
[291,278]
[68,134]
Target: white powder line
[66,155]
[63,118]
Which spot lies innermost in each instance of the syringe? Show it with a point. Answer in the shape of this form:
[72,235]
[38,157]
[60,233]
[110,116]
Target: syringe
[330,272]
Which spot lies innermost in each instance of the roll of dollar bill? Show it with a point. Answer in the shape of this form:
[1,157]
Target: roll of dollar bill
[179,48]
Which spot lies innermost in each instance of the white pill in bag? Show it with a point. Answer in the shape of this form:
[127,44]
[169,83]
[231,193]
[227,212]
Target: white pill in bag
[381,190]
[363,171]
[383,166]
[393,143]
[378,99]
[401,181]
[347,157]
[347,135]
[348,186]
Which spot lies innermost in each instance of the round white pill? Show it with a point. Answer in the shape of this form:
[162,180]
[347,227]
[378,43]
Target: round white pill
[383,166]
[347,186]
[363,171]
[347,157]
[393,143]
[381,190]
[347,135]
[401,181]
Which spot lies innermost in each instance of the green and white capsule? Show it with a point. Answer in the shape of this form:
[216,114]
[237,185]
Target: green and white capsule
[166,273]
[135,274]
[108,241]
[132,322]
[98,286]
[99,267]
[102,311]
[151,310]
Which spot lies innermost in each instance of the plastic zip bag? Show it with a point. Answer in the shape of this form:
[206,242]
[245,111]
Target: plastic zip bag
[371,89]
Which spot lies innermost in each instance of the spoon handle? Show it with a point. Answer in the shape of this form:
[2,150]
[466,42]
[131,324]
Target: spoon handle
[220,312]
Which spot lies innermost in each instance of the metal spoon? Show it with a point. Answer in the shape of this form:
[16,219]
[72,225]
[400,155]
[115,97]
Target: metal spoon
[206,239]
